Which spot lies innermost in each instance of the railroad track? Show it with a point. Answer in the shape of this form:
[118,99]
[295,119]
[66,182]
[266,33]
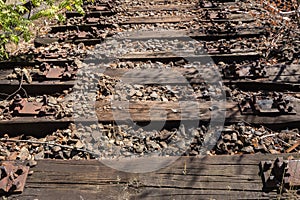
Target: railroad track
[176,65]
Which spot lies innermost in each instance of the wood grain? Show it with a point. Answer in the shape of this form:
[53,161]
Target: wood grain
[205,177]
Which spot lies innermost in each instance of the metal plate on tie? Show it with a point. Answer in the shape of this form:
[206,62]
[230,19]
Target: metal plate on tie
[99,8]
[54,73]
[92,20]
[28,108]
[82,34]
[280,173]
[13,177]
[32,108]
[259,105]
[51,55]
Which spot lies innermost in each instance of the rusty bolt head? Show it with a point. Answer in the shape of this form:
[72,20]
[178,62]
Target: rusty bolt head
[267,165]
[18,97]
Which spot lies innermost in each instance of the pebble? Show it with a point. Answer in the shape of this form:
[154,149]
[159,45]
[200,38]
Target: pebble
[163,144]
[79,145]
[241,138]
[227,138]
[246,139]
[39,156]
[248,149]
[154,95]
[127,141]
[32,163]
[239,143]
[139,93]
[56,149]
[234,137]
[258,133]
[139,148]
[24,153]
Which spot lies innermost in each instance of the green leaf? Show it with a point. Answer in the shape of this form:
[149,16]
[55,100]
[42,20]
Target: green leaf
[22,9]
[14,38]
[36,3]
[60,17]
[14,27]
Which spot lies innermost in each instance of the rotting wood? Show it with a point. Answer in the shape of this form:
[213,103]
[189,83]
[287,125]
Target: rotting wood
[142,20]
[177,75]
[183,34]
[154,20]
[158,35]
[147,9]
[140,112]
[189,56]
[206,176]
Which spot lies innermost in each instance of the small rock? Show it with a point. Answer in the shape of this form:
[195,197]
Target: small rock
[258,133]
[132,92]
[164,99]
[181,144]
[239,143]
[139,148]
[52,101]
[88,129]
[27,76]
[262,147]
[61,154]
[79,145]
[96,135]
[76,157]
[226,137]
[234,137]
[128,143]
[127,154]
[32,163]
[272,151]
[193,153]
[24,154]
[39,156]
[139,94]
[152,144]
[136,86]
[94,126]
[248,149]
[154,95]
[163,144]
[56,149]
[67,132]
[165,135]
[115,25]
[67,154]
[51,138]
[113,65]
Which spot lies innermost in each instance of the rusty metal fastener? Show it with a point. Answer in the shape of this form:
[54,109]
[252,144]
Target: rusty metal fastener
[99,8]
[30,108]
[12,177]
[257,105]
[50,72]
[82,34]
[280,173]
[92,20]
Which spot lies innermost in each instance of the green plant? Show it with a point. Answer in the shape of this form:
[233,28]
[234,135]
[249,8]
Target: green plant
[14,26]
